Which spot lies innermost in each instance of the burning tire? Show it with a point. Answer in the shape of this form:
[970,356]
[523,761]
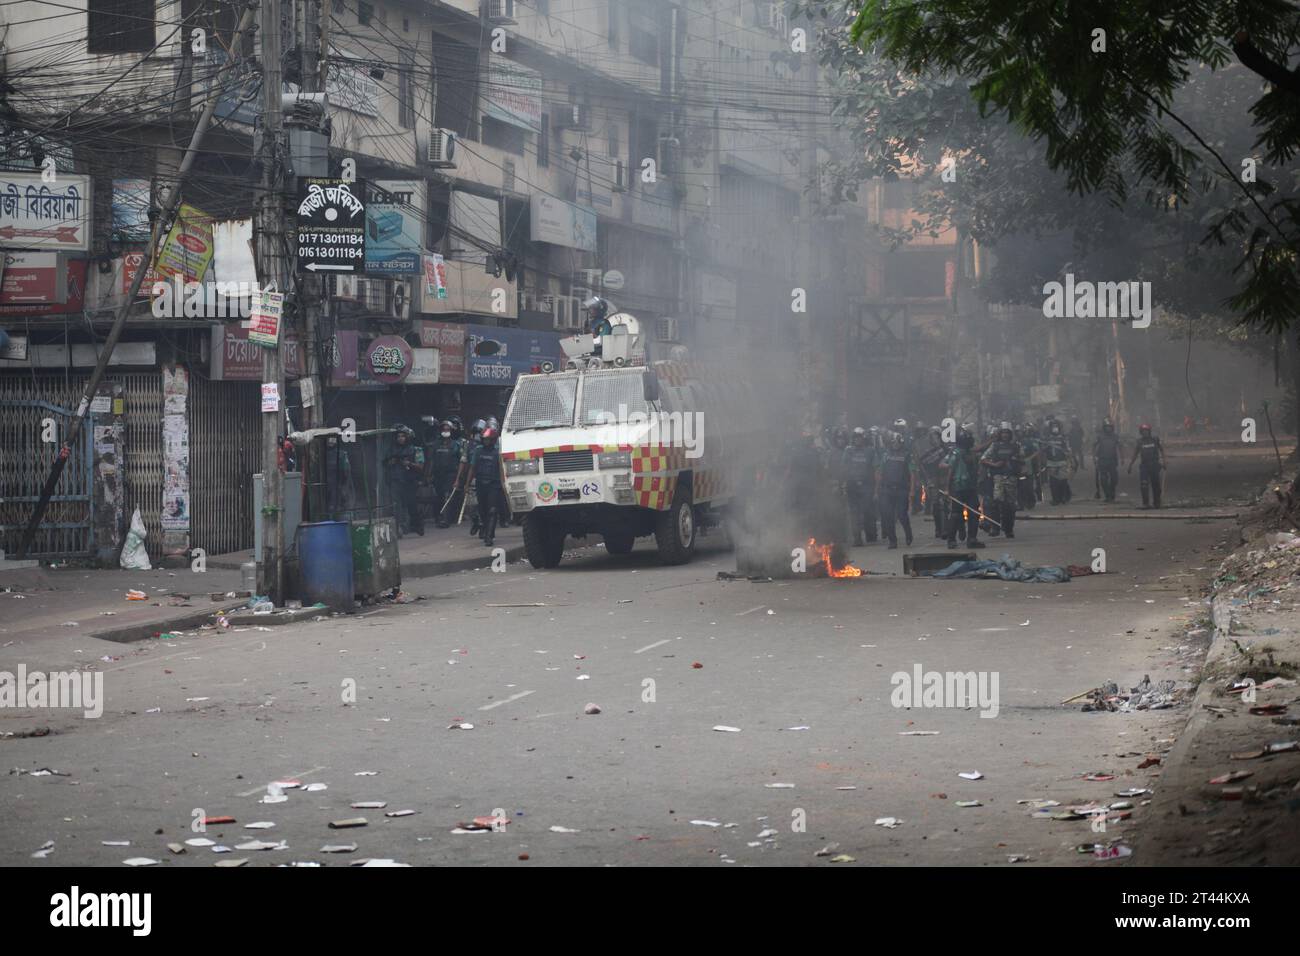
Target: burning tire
[543,542]
[675,528]
[620,542]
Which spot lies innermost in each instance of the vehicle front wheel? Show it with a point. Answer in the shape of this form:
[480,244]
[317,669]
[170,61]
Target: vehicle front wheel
[675,528]
[543,542]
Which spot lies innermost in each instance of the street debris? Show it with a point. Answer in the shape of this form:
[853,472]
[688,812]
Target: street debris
[346,824]
[262,845]
[45,850]
[727,730]
[455,725]
[1232,777]
[339,848]
[369,805]
[1101,852]
[1143,696]
[558,829]
[844,858]
[889,823]
[968,803]
[1005,569]
[971,775]
[140,861]
[591,709]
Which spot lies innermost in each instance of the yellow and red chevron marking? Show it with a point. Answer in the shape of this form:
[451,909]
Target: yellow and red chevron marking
[658,459]
[710,484]
[656,492]
[539,452]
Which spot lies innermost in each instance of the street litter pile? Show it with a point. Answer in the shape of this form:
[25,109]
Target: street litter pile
[1145,695]
[1260,570]
[1006,569]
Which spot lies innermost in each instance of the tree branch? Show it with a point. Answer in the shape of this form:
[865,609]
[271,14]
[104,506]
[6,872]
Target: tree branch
[1253,59]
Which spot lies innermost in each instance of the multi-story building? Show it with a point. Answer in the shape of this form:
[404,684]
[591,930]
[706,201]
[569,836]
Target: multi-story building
[653,152]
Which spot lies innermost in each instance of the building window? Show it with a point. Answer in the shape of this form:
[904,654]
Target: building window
[455,77]
[406,93]
[120,26]
[544,141]
[643,35]
[916,274]
[365,12]
[503,136]
[615,143]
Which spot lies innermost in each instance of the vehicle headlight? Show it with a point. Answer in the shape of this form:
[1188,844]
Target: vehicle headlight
[523,466]
[614,459]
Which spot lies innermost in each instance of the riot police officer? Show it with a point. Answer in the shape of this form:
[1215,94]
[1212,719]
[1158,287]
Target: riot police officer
[1059,462]
[485,472]
[1152,454]
[961,475]
[931,451]
[1105,459]
[859,474]
[405,466]
[1002,463]
[471,443]
[442,466]
[894,489]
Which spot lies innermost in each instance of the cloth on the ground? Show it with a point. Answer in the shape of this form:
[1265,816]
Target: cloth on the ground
[1008,569]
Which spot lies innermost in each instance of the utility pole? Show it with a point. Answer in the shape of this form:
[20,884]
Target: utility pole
[272,270]
[312,287]
[160,228]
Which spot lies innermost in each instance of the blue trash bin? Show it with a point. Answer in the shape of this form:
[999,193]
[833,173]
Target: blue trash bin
[325,562]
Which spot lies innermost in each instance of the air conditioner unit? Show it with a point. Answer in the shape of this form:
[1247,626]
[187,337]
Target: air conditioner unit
[666,330]
[499,11]
[399,299]
[576,116]
[567,312]
[442,149]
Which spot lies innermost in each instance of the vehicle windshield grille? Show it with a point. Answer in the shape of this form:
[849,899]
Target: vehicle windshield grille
[543,403]
[611,396]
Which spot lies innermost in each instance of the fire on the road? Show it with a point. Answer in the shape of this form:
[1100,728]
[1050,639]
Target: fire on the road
[822,553]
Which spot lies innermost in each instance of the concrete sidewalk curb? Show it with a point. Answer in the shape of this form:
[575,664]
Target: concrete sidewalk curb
[423,569]
[1181,775]
[433,569]
[147,629]
[183,622]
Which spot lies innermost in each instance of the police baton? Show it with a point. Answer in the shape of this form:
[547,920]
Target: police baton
[964,505]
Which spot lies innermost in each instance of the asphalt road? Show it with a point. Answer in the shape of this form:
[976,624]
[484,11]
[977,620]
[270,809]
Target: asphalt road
[240,710]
